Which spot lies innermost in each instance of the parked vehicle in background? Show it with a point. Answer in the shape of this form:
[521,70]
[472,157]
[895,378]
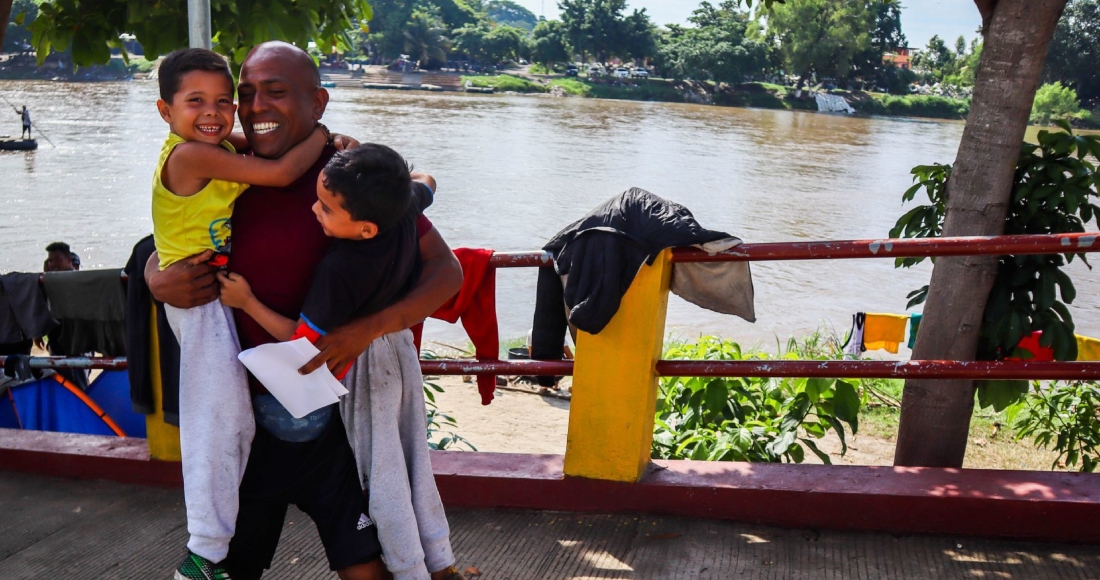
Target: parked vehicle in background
[622,73]
[640,73]
[572,70]
[595,70]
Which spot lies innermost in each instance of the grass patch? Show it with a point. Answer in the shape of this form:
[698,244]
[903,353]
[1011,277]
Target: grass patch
[931,106]
[992,443]
[138,64]
[502,83]
[573,87]
[540,69]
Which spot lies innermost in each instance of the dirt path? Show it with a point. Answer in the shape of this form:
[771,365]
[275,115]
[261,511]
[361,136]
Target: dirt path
[522,422]
[525,422]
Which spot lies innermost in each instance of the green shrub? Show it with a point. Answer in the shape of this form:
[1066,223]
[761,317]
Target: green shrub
[932,106]
[1054,101]
[1062,416]
[1054,192]
[750,419]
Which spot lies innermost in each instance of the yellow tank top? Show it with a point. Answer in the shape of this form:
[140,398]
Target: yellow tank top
[185,226]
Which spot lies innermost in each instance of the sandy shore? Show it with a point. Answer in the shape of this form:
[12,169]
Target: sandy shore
[525,422]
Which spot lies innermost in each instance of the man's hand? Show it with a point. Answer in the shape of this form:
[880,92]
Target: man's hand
[343,142]
[342,346]
[185,284]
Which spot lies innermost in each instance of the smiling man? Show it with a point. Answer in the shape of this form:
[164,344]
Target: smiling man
[277,242]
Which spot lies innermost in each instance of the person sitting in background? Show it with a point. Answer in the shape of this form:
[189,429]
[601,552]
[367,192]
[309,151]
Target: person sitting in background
[60,258]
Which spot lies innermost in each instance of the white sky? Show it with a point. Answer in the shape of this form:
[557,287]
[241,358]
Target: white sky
[920,19]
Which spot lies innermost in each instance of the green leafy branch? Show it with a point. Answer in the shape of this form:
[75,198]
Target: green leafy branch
[1055,191]
[748,418]
[93,27]
[1063,416]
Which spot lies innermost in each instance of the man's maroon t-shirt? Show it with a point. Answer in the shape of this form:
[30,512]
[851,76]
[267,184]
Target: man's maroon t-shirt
[277,243]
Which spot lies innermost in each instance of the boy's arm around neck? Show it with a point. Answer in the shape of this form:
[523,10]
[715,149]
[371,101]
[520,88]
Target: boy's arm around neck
[440,280]
[203,161]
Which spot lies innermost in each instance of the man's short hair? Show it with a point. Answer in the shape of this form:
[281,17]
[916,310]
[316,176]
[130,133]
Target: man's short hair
[59,247]
[175,65]
[373,183]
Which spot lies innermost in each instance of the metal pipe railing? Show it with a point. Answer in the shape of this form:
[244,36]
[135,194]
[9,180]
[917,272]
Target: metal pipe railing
[852,369]
[840,249]
[77,362]
[854,249]
[899,248]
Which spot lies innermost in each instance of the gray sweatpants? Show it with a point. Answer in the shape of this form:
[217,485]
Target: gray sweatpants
[387,429]
[216,424]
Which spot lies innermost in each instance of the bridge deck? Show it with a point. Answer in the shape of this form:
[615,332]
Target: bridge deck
[58,528]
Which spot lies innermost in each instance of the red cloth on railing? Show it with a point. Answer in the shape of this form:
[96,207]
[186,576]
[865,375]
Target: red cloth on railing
[1039,353]
[475,305]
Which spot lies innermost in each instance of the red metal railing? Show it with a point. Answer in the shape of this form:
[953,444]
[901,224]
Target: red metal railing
[885,248]
[847,249]
[941,369]
[831,250]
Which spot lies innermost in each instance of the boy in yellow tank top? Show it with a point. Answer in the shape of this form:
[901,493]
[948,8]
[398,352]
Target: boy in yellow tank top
[197,179]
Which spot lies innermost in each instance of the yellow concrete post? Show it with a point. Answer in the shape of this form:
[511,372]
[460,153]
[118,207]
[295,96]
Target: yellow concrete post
[615,383]
[163,439]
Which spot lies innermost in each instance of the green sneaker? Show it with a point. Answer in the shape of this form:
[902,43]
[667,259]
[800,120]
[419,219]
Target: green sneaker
[195,567]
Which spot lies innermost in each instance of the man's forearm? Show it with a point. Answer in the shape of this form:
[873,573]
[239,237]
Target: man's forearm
[439,286]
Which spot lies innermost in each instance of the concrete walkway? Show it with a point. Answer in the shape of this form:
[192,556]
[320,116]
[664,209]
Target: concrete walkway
[66,529]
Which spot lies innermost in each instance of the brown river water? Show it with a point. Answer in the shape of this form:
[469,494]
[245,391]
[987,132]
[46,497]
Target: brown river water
[513,170]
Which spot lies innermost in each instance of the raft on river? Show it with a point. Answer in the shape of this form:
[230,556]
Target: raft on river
[9,144]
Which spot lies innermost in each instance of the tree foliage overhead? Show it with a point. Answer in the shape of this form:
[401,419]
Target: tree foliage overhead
[92,27]
[887,37]
[508,13]
[718,47]
[425,39]
[23,12]
[821,36]
[549,43]
[392,18]
[599,28]
[1074,56]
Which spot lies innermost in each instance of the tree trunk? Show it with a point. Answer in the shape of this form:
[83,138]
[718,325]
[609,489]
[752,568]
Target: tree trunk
[5,16]
[935,414]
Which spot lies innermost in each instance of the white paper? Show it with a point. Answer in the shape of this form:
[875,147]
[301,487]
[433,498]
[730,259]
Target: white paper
[276,366]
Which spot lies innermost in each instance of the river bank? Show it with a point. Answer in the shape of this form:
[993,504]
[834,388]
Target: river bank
[24,67]
[751,95]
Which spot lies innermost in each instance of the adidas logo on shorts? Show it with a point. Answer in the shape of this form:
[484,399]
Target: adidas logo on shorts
[364,522]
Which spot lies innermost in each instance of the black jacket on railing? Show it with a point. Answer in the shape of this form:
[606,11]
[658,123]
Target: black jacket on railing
[597,257]
[139,309]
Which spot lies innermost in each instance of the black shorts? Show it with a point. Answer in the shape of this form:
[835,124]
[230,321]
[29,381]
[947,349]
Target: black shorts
[320,477]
